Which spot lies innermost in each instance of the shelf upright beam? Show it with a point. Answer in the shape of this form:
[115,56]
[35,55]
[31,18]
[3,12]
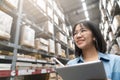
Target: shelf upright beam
[14,59]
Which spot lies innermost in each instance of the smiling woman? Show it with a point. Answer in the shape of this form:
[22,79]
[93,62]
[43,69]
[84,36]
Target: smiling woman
[91,46]
[90,34]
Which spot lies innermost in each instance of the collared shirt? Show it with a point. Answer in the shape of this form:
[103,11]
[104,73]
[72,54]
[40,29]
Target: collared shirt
[111,64]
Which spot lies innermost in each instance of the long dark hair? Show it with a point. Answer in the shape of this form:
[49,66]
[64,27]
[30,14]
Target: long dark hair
[100,43]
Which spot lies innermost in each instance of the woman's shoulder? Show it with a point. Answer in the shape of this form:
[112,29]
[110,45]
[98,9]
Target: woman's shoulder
[109,55]
[115,58]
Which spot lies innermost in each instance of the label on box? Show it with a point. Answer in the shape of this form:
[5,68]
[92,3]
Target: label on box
[2,57]
[43,71]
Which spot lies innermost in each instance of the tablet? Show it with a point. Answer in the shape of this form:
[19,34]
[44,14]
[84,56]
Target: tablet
[83,71]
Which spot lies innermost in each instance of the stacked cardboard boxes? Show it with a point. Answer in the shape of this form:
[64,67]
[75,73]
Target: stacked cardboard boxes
[116,23]
[5,25]
[27,36]
[51,46]
[41,44]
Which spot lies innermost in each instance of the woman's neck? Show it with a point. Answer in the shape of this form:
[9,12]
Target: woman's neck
[90,54]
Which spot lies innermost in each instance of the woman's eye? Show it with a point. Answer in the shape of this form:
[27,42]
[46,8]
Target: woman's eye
[83,30]
[75,33]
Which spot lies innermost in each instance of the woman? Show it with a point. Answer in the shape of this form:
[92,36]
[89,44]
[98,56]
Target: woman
[90,46]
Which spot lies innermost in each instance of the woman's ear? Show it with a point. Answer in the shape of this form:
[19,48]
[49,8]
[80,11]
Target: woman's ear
[94,39]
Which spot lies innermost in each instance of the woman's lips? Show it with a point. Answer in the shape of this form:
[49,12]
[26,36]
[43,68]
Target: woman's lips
[80,41]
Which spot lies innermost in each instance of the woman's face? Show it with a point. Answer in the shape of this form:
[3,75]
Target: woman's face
[83,37]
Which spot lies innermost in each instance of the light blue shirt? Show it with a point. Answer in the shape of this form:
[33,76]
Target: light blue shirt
[111,64]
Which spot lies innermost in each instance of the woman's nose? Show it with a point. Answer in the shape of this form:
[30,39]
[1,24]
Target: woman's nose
[79,34]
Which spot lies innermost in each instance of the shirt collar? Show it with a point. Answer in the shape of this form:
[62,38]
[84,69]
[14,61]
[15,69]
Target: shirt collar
[102,56]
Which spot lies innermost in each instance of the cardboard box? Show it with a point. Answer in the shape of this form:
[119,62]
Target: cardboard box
[56,19]
[41,44]
[61,37]
[65,40]
[109,8]
[63,27]
[27,36]
[111,36]
[58,48]
[63,53]
[70,43]
[51,46]
[50,12]
[67,31]
[116,23]
[43,41]
[5,25]
[115,49]
[104,2]
[48,27]
[118,40]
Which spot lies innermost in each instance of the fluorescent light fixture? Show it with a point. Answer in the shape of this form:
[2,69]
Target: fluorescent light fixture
[86,14]
[84,6]
[88,18]
[82,0]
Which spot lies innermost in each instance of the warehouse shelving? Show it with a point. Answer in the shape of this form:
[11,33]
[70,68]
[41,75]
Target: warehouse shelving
[28,12]
[109,9]
[8,73]
[4,57]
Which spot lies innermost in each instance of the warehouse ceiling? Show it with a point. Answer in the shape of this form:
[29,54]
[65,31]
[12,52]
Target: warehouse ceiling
[74,11]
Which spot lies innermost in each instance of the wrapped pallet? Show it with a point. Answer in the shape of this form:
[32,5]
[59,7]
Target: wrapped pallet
[111,36]
[27,36]
[70,43]
[63,27]
[61,37]
[50,12]
[115,49]
[48,27]
[51,46]
[58,48]
[65,39]
[56,19]
[116,23]
[5,25]
[41,44]
[63,53]
[67,31]
[104,2]
[109,8]
[118,40]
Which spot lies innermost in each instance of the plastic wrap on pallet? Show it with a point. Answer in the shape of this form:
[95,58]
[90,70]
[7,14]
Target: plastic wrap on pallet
[5,25]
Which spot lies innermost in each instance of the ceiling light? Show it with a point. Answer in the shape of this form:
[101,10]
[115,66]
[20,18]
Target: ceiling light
[88,18]
[82,0]
[84,6]
[86,14]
